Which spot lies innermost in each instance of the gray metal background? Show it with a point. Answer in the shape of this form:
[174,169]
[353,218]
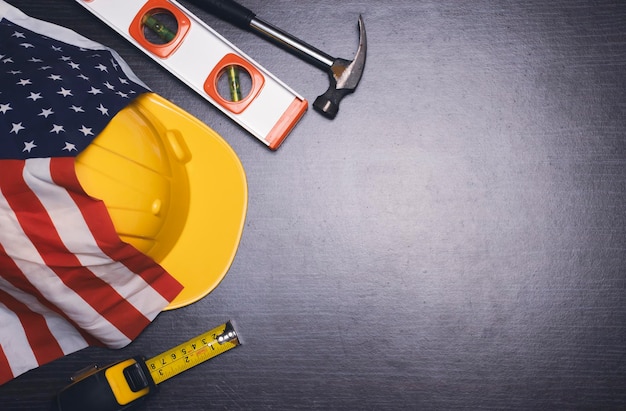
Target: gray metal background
[455,238]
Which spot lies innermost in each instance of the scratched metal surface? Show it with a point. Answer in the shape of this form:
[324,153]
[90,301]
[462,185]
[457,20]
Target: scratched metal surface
[455,238]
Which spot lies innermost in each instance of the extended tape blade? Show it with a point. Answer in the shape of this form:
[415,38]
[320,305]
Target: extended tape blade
[193,352]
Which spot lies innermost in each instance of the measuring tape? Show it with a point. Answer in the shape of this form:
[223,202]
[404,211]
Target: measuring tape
[195,351]
[124,384]
[208,63]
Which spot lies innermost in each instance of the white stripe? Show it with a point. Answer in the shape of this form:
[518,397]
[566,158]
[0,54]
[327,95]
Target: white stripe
[14,343]
[66,217]
[25,255]
[79,240]
[133,288]
[68,338]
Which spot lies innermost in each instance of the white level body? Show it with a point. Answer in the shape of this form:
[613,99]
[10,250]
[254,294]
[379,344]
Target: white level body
[198,56]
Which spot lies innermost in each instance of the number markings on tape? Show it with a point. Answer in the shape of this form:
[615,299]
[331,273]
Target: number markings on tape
[193,352]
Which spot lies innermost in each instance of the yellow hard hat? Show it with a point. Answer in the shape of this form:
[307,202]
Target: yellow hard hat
[174,189]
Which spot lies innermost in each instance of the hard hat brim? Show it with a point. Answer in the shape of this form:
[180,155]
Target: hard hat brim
[204,250]
[208,243]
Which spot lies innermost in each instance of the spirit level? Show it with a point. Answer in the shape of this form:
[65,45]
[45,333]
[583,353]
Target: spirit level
[123,384]
[200,57]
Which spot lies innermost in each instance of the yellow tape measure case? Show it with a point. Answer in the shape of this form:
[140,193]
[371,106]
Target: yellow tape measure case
[127,383]
[117,387]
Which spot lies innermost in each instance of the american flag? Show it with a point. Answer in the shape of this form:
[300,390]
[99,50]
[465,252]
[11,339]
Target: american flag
[66,279]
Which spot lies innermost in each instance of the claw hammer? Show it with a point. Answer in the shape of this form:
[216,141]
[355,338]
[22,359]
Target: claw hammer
[344,75]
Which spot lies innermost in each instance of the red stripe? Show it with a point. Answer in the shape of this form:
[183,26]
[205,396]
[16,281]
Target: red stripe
[103,231]
[5,368]
[39,228]
[42,341]
[12,273]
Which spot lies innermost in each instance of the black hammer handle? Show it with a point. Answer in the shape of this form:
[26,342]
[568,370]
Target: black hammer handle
[240,16]
[227,10]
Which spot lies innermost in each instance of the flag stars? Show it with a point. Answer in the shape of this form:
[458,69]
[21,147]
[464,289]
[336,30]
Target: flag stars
[29,145]
[5,107]
[69,147]
[103,110]
[18,34]
[62,107]
[57,129]
[17,127]
[65,92]
[34,96]
[46,112]
[87,131]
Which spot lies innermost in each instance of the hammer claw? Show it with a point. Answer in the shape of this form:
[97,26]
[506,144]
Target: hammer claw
[353,70]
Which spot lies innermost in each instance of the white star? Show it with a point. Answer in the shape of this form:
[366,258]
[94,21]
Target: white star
[84,77]
[5,107]
[34,96]
[114,63]
[18,34]
[103,110]
[65,58]
[123,80]
[15,72]
[57,129]
[55,77]
[64,92]
[45,67]
[8,60]
[109,86]
[35,60]
[24,82]
[119,93]
[77,109]
[74,65]
[57,48]
[29,146]
[46,112]
[69,147]
[86,131]
[26,45]
[102,67]
[17,127]
[94,91]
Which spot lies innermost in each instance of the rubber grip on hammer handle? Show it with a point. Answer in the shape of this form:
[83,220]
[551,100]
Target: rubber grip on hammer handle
[227,10]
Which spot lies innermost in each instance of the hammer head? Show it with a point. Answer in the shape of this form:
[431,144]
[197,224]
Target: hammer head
[344,76]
